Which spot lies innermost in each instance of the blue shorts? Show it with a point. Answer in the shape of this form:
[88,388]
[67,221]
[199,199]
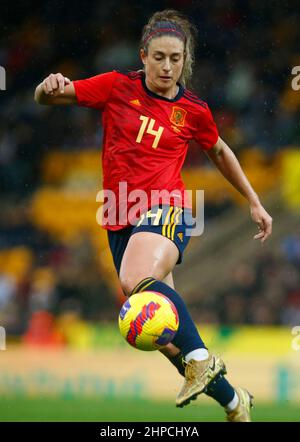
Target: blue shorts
[169,221]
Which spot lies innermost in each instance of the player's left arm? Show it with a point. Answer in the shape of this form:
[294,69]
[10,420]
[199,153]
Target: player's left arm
[225,160]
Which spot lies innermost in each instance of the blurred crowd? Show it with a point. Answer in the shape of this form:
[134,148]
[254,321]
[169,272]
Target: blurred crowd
[244,57]
[261,291]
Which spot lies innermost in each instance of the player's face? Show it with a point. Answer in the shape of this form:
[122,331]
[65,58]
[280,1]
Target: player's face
[163,63]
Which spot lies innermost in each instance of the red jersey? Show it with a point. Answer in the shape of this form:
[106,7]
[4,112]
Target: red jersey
[146,138]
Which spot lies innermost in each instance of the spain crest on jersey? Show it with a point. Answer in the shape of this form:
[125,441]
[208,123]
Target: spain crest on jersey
[178,116]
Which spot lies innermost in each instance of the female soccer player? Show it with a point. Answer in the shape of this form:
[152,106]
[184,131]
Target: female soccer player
[149,117]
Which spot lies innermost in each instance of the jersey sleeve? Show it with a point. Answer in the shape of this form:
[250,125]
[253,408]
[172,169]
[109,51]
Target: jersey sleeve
[95,91]
[207,132]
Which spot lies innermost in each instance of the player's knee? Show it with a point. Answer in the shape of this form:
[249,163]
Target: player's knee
[129,282]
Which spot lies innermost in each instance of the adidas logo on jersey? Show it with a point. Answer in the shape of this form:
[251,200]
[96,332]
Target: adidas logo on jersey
[136,102]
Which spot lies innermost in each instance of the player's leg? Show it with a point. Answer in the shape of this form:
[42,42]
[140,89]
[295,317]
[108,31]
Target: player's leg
[237,402]
[219,389]
[168,279]
[147,260]
[118,241]
[169,350]
[172,352]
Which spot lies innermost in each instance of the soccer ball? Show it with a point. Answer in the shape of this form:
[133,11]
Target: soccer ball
[148,321]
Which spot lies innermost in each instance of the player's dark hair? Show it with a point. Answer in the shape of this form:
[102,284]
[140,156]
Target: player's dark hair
[171,22]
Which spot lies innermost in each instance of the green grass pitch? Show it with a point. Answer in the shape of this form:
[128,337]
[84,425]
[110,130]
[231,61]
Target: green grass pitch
[129,410]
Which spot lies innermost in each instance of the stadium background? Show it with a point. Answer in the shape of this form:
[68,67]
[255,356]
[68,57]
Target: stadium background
[59,296]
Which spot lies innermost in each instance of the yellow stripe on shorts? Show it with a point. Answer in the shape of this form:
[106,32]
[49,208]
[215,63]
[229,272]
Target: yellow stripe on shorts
[167,221]
[171,223]
[177,215]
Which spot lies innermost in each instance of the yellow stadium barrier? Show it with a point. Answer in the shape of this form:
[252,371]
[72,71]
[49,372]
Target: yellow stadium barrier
[261,359]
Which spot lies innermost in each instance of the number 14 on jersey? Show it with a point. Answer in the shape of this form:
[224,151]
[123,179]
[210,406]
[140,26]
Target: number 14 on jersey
[147,126]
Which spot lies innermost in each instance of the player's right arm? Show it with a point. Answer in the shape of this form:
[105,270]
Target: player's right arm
[55,89]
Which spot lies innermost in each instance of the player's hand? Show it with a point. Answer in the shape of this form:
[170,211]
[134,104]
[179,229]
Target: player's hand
[55,84]
[263,220]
